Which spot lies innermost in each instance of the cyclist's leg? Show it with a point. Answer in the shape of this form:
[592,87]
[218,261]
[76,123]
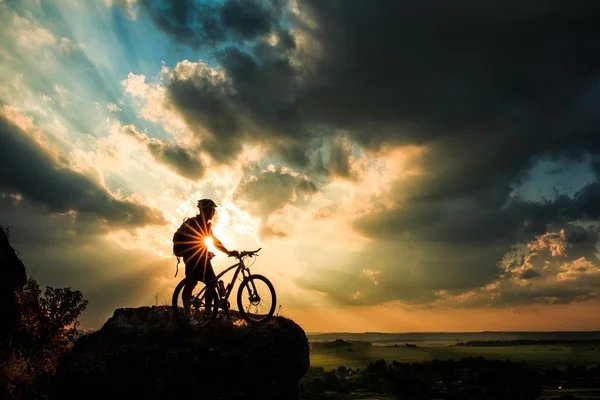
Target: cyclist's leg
[188,288]
[207,277]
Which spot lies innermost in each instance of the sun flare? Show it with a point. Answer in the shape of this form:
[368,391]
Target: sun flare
[209,244]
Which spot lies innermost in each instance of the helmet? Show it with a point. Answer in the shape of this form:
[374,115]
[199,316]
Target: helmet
[206,203]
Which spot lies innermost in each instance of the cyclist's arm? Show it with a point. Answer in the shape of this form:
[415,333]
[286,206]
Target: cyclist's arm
[218,245]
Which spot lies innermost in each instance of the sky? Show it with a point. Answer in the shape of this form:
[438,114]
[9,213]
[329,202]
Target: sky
[403,166]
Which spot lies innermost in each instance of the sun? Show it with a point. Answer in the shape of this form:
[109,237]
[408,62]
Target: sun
[209,243]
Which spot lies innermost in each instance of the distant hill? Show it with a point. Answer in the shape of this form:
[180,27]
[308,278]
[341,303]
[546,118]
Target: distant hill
[340,343]
[522,342]
[383,338]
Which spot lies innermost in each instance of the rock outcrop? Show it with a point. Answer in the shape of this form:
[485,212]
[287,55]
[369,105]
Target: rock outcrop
[12,278]
[143,353]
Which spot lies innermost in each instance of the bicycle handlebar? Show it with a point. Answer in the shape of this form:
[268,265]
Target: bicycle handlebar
[247,253]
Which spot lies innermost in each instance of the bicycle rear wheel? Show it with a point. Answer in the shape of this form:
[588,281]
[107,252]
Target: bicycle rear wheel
[203,309]
[256,299]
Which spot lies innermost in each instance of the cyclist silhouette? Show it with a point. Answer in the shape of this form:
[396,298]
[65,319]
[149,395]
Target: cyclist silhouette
[197,257]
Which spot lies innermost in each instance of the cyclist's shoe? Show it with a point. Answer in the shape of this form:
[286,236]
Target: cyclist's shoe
[193,322]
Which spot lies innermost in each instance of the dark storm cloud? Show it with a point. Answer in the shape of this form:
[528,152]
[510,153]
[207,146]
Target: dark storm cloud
[207,101]
[454,65]
[465,221]
[596,165]
[580,236]
[488,88]
[248,19]
[173,157]
[252,102]
[529,274]
[239,107]
[199,23]
[27,169]
[185,21]
[475,83]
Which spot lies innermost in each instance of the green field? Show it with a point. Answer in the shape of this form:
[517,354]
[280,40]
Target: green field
[361,355]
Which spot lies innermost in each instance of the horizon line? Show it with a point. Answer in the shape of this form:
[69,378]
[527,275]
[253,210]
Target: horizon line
[448,332]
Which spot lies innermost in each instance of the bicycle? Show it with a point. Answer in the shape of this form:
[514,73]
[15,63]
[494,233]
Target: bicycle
[205,313]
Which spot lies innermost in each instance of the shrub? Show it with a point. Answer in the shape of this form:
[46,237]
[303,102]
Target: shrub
[46,329]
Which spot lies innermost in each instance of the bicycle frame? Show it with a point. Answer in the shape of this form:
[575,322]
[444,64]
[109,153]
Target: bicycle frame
[240,267]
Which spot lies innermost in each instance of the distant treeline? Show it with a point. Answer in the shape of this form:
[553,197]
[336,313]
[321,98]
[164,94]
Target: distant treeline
[469,378]
[407,345]
[526,342]
[453,337]
[341,343]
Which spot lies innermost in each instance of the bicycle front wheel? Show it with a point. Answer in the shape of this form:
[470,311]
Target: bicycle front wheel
[256,299]
[203,308]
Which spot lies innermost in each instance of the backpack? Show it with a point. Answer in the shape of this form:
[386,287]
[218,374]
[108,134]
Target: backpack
[180,248]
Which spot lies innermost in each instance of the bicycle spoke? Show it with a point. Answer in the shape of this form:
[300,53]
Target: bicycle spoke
[200,309]
[257,303]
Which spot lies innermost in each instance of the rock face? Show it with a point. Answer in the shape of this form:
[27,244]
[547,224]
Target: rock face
[12,278]
[144,353]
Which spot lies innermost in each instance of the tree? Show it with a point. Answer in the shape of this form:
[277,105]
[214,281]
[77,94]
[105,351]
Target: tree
[48,324]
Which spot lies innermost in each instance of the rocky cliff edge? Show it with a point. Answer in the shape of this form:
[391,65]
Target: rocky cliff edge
[144,353]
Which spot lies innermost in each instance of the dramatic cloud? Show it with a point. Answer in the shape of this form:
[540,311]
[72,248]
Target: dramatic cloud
[468,221]
[173,156]
[203,97]
[29,171]
[414,78]
[557,268]
[200,24]
[271,190]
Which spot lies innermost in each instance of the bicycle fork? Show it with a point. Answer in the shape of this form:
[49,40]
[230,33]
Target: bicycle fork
[253,296]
